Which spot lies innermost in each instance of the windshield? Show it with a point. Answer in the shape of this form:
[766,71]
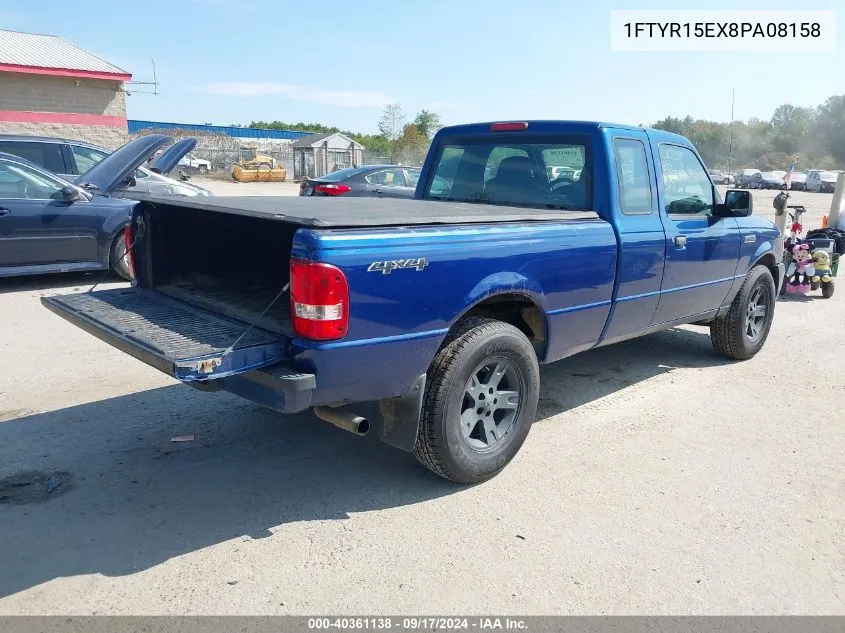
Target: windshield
[550,175]
[343,174]
[248,154]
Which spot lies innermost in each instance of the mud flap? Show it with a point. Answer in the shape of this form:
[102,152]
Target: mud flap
[400,417]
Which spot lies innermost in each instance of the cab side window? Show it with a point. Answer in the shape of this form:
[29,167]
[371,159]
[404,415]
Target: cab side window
[633,176]
[686,185]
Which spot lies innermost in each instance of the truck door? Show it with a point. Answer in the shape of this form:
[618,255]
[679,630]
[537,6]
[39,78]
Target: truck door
[641,238]
[702,250]
[36,226]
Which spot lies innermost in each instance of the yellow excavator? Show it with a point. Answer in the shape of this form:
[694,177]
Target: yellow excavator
[254,167]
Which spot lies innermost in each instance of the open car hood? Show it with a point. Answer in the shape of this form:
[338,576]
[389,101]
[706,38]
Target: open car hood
[165,163]
[112,172]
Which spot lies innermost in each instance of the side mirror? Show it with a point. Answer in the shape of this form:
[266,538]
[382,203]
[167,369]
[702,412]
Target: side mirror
[738,204]
[69,194]
[130,181]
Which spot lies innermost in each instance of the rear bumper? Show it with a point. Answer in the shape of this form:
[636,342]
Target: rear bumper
[279,387]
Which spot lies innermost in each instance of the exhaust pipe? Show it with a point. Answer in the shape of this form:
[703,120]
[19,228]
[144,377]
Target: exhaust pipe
[343,419]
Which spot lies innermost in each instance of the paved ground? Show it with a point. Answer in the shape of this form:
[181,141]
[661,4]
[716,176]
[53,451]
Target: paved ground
[659,479]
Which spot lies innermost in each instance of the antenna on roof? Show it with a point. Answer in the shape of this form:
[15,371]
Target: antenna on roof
[153,83]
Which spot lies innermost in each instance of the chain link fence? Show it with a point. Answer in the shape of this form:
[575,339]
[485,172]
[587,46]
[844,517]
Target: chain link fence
[222,152]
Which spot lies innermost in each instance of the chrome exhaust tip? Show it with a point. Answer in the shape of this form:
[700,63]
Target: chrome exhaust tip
[344,419]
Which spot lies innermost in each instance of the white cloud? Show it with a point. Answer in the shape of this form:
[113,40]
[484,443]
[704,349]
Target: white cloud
[341,98]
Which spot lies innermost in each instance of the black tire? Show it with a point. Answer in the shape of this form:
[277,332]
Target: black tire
[202,169]
[731,334]
[827,289]
[444,445]
[118,254]
[726,181]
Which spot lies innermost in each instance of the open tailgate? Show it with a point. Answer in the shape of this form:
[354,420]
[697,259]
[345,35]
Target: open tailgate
[181,340]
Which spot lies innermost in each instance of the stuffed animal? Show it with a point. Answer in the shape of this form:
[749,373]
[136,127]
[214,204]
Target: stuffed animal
[801,268]
[821,262]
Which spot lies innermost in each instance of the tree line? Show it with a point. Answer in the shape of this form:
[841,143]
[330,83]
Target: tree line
[398,140]
[810,137]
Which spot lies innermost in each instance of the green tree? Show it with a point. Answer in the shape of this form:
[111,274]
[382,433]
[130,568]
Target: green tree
[411,147]
[831,126]
[427,122]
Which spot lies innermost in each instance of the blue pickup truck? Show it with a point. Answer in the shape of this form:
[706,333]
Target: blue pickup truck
[527,242]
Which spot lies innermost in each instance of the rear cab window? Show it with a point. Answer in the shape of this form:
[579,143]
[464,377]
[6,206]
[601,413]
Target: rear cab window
[546,172]
[44,154]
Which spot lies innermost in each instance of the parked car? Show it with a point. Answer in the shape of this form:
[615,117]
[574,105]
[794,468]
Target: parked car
[821,181]
[192,161]
[441,308]
[773,180]
[799,181]
[48,224]
[383,181]
[721,178]
[744,176]
[69,159]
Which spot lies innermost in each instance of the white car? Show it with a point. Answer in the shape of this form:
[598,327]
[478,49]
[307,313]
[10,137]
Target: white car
[191,161]
[821,180]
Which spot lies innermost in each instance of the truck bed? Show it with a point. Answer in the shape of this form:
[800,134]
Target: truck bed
[327,212]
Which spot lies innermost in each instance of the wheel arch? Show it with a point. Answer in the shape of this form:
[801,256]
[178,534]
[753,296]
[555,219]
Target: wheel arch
[520,309]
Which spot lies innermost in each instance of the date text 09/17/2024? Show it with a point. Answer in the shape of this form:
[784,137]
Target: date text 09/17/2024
[417,623]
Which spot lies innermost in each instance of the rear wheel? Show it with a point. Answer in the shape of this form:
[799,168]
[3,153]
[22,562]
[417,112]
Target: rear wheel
[118,254]
[741,333]
[202,169]
[480,401]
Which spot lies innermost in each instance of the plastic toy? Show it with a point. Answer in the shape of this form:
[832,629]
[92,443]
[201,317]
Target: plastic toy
[801,268]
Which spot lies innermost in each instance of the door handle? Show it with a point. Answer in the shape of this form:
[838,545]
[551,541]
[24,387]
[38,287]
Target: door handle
[377,192]
[4,212]
[680,241]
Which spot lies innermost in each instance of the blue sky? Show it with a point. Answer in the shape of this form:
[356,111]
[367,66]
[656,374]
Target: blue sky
[339,62]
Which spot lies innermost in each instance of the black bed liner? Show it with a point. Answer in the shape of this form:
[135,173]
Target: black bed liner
[327,212]
[167,333]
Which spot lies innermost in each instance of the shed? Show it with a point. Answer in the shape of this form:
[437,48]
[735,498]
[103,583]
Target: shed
[49,86]
[318,154]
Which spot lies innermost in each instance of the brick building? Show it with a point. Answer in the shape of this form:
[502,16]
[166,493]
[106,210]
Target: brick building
[51,87]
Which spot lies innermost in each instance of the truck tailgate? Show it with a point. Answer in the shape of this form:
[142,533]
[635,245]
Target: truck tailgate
[181,340]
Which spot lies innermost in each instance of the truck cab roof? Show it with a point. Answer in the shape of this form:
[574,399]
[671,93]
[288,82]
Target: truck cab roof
[546,126]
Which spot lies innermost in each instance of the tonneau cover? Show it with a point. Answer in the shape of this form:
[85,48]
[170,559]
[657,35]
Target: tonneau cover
[328,212]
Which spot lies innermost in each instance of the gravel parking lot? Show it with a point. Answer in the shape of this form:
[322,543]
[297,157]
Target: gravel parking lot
[659,479]
[231,188]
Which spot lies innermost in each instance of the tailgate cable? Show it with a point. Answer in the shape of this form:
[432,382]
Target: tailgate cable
[209,365]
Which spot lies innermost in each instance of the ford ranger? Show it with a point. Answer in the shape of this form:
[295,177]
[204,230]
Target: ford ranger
[527,242]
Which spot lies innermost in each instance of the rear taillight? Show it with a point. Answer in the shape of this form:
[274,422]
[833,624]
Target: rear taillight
[128,238]
[332,190]
[319,300]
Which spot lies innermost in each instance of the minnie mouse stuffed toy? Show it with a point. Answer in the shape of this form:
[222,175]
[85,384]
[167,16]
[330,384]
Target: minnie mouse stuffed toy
[801,268]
